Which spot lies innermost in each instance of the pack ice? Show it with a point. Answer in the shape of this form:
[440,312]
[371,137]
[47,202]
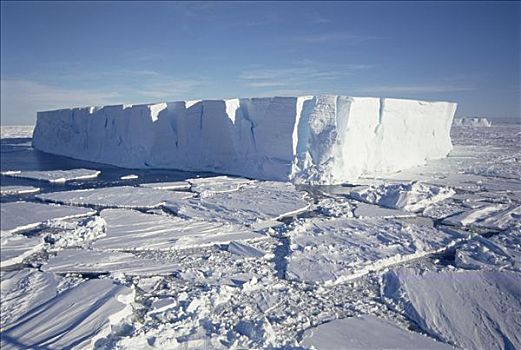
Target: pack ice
[307,139]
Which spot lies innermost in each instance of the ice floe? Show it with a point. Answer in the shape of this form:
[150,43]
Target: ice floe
[20,216]
[86,261]
[252,205]
[15,248]
[75,318]
[339,249]
[132,230]
[55,176]
[117,197]
[469,309]
[218,184]
[17,190]
[366,332]
[173,185]
[129,177]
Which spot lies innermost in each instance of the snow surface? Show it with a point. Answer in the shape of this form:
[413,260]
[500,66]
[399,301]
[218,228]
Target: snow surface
[365,332]
[117,197]
[315,139]
[21,216]
[472,122]
[17,190]
[339,249]
[75,318]
[132,230]
[55,176]
[99,262]
[469,309]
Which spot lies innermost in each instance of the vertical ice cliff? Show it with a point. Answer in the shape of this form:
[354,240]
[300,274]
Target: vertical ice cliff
[309,139]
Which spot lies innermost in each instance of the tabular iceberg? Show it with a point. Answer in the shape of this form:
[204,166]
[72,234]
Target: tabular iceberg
[323,139]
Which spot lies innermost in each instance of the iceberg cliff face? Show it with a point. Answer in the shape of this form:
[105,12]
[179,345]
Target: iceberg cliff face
[308,139]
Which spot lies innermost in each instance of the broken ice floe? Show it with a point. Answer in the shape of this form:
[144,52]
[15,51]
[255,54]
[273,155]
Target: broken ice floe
[55,176]
[17,190]
[20,216]
[252,205]
[73,233]
[218,184]
[412,197]
[129,177]
[469,309]
[75,318]
[132,230]
[86,261]
[366,211]
[366,332]
[117,197]
[244,249]
[24,290]
[15,248]
[492,216]
[334,250]
[173,185]
[500,252]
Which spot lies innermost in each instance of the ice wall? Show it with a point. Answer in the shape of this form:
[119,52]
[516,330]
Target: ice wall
[311,139]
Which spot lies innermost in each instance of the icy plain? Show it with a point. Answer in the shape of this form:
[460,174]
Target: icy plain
[425,258]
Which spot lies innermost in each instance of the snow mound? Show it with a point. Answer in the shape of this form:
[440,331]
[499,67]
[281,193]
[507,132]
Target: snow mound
[339,249]
[413,197]
[470,309]
[313,139]
[76,318]
[365,332]
[472,122]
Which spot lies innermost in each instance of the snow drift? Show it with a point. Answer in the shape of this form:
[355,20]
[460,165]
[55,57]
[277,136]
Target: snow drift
[308,139]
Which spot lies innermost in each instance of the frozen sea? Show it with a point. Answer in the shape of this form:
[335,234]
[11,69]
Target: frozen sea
[95,256]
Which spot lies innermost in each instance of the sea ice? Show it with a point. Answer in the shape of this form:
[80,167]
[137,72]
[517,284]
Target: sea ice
[487,216]
[100,262]
[75,318]
[469,309]
[16,131]
[365,332]
[20,216]
[314,139]
[472,122]
[117,197]
[132,230]
[339,249]
[174,185]
[24,290]
[500,252]
[256,205]
[55,176]
[219,184]
[15,248]
[412,197]
[244,249]
[17,190]
[129,177]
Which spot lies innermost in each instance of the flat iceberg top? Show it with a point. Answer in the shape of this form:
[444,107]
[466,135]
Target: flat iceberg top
[323,139]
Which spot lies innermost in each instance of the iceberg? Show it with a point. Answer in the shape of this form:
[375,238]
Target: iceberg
[324,139]
[484,122]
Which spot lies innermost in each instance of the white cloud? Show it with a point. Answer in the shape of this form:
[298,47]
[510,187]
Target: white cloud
[414,88]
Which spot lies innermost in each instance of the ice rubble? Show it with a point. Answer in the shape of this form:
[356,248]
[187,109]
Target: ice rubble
[15,216]
[132,230]
[365,332]
[412,197]
[75,318]
[470,309]
[117,197]
[15,248]
[339,249]
[472,122]
[17,190]
[316,139]
[55,176]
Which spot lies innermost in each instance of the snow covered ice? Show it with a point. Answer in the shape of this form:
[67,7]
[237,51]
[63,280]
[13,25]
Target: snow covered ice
[14,190]
[56,176]
[312,139]
[190,260]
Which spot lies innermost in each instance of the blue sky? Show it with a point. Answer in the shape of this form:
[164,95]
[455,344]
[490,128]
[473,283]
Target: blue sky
[65,54]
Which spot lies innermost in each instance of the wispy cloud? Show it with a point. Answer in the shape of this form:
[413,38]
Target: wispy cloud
[333,37]
[415,88]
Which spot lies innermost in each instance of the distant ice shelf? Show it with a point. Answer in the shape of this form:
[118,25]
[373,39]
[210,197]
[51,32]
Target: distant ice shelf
[325,139]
